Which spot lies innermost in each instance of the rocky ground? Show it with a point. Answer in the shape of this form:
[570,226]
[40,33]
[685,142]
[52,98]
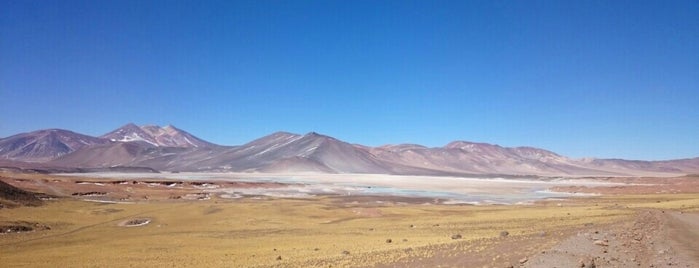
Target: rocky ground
[11,196]
[656,238]
[27,188]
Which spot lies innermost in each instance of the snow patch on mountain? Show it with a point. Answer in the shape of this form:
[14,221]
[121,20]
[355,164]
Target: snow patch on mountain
[167,136]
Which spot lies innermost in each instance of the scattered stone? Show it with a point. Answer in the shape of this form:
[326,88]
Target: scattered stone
[316,249]
[504,233]
[508,265]
[345,252]
[16,229]
[389,241]
[136,222]
[601,243]
[90,194]
[456,236]
[279,258]
[405,240]
[523,260]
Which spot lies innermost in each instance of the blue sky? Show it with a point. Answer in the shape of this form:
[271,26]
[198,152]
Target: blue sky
[612,79]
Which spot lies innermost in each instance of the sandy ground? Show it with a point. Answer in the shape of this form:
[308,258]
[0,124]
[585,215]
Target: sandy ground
[190,224]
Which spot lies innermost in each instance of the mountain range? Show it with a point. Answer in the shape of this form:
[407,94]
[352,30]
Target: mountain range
[171,149]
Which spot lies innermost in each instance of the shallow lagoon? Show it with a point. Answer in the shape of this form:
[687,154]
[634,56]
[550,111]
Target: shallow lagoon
[448,190]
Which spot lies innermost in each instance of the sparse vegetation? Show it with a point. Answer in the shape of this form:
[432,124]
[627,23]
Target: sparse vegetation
[319,232]
[274,232]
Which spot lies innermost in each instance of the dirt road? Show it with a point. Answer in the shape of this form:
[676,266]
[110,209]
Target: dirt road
[656,238]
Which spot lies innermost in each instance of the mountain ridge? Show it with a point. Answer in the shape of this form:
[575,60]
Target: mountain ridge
[171,149]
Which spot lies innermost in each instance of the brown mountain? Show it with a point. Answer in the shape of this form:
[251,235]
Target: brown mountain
[679,166]
[283,151]
[44,145]
[484,158]
[170,149]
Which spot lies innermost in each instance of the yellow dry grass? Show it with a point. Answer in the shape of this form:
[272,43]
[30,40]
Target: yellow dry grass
[305,233]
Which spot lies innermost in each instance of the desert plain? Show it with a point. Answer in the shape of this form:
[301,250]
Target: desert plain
[347,220]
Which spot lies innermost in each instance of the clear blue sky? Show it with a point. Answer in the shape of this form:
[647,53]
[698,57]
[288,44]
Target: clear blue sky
[581,78]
